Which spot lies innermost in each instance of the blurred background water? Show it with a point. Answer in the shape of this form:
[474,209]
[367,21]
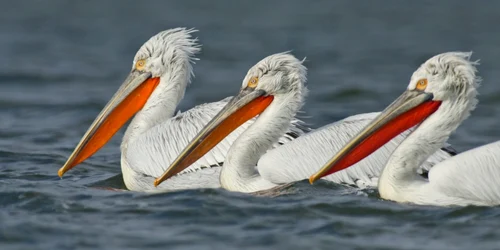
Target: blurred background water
[60,61]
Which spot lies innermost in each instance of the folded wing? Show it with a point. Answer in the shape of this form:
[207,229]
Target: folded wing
[302,157]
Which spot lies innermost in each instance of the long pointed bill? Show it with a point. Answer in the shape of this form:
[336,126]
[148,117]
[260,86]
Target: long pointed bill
[129,99]
[248,104]
[410,109]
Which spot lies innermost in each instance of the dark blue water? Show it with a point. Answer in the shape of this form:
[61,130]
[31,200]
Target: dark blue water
[60,61]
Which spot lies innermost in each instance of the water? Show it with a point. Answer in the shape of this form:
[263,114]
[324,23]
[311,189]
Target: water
[62,60]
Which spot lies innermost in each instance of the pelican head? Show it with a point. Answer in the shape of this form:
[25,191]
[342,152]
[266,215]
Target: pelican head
[161,61]
[168,51]
[279,77]
[448,77]
[277,74]
[443,90]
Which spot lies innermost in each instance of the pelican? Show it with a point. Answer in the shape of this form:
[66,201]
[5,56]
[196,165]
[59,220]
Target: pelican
[161,71]
[274,89]
[441,94]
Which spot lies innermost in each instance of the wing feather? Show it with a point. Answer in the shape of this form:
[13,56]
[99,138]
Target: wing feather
[152,152]
[302,157]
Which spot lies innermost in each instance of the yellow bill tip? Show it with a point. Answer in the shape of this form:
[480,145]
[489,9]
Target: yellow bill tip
[312,179]
[157,182]
[61,172]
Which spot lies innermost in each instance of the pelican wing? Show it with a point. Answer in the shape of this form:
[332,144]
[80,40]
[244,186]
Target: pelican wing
[302,157]
[473,175]
[151,153]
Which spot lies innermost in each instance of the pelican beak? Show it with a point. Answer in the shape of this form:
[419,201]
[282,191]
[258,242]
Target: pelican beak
[410,109]
[128,100]
[243,107]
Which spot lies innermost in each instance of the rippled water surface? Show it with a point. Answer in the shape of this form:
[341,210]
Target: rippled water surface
[60,61]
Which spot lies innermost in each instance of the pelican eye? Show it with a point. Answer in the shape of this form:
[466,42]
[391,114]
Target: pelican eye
[139,65]
[421,84]
[252,83]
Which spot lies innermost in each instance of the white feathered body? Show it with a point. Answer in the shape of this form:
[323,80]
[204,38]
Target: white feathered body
[469,178]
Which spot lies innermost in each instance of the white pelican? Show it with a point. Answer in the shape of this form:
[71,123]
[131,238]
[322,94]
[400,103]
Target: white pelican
[441,94]
[160,73]
[274,88]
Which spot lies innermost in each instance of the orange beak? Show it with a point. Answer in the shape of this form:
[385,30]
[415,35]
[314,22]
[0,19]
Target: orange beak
[248,104]
[127,101]
[410,109]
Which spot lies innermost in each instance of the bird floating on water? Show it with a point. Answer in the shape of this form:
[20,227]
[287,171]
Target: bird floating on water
[161,71]
[274,90]
[440,96]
